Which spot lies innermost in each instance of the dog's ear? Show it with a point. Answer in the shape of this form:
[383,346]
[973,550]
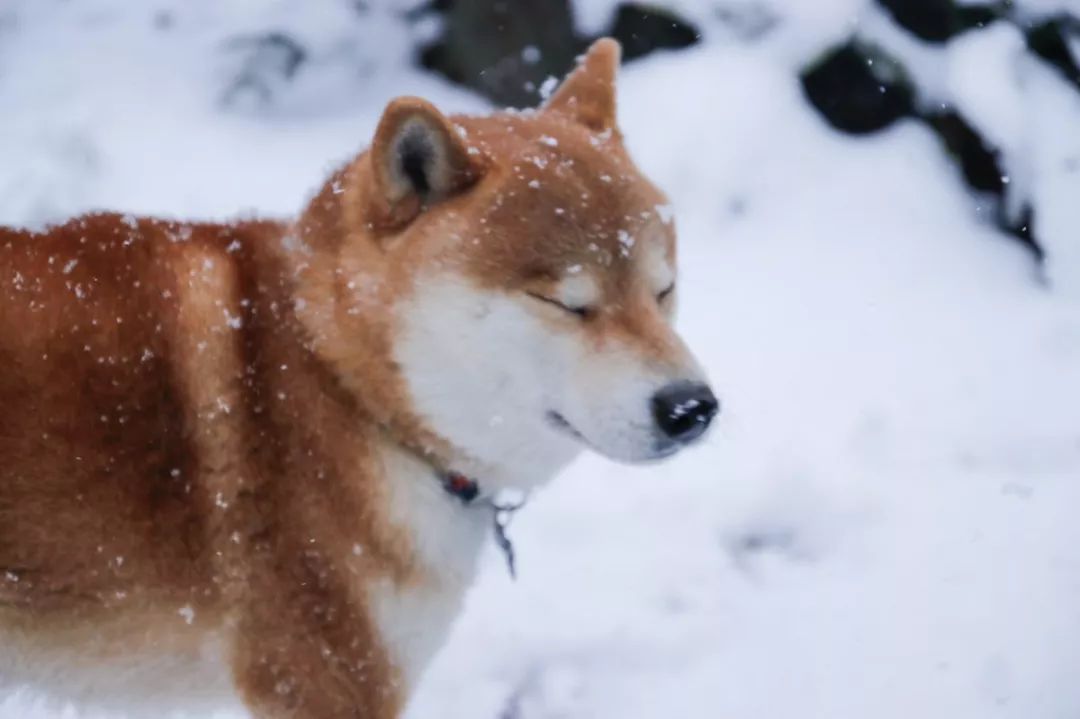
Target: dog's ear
[588,93]
[417,158]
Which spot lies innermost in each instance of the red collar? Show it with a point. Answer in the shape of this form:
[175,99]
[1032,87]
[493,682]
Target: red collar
[458,485]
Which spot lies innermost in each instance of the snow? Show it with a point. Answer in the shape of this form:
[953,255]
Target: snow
[882,524]
[547,87]
[1024,109]
[984,81]
[187,614]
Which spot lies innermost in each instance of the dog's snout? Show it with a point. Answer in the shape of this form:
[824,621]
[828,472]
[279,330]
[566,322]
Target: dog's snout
[683,410]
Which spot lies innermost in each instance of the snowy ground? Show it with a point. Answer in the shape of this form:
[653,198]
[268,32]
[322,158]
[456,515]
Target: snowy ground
[882,526]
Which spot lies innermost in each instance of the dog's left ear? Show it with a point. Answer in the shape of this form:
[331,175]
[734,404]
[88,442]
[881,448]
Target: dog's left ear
[588,93]
[417,158]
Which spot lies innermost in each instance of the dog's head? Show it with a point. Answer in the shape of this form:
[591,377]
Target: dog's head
[505,285]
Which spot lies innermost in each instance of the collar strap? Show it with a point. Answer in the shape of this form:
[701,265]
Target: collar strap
[467,490]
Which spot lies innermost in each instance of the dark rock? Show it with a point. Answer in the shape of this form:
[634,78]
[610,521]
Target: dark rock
[504,50]
[972,17]
[644,28]
[931,20]
[858,88]
[977,160]
[937,21]
[981,166]
[1048,40]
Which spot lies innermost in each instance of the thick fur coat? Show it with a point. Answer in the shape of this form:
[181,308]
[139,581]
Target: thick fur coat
[221,445]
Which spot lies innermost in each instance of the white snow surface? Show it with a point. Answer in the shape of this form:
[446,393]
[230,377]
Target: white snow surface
[882,524]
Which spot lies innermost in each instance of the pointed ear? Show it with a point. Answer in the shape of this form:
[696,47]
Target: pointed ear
[417,158]
[588,93]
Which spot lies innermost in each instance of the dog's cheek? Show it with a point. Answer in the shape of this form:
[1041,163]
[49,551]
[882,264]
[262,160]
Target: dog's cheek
[607,399]
[476,365]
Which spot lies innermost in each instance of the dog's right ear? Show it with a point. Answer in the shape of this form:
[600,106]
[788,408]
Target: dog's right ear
[417,158]
[588,93]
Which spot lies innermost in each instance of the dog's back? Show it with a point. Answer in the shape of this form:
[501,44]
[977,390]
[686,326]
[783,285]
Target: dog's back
[92,432]
[96,432]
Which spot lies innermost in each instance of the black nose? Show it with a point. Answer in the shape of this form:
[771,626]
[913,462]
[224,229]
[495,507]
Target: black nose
[683,410]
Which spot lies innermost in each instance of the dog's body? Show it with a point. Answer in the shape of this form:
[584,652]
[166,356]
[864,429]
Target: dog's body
[223,446]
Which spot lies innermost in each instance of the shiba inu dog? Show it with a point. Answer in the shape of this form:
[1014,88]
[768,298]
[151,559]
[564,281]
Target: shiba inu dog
[250,459]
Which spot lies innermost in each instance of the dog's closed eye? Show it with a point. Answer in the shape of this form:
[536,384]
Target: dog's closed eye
[665,293]
[583,312]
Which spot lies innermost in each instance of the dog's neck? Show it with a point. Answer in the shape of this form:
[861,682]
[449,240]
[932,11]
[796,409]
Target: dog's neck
[331,244]
[409,465]
[323,246]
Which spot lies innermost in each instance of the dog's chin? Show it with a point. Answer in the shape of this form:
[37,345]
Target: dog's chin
[653,450]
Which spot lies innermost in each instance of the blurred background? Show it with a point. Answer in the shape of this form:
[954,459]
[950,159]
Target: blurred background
[879,212]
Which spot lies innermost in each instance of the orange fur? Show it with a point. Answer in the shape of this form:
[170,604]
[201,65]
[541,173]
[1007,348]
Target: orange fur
[196,414]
